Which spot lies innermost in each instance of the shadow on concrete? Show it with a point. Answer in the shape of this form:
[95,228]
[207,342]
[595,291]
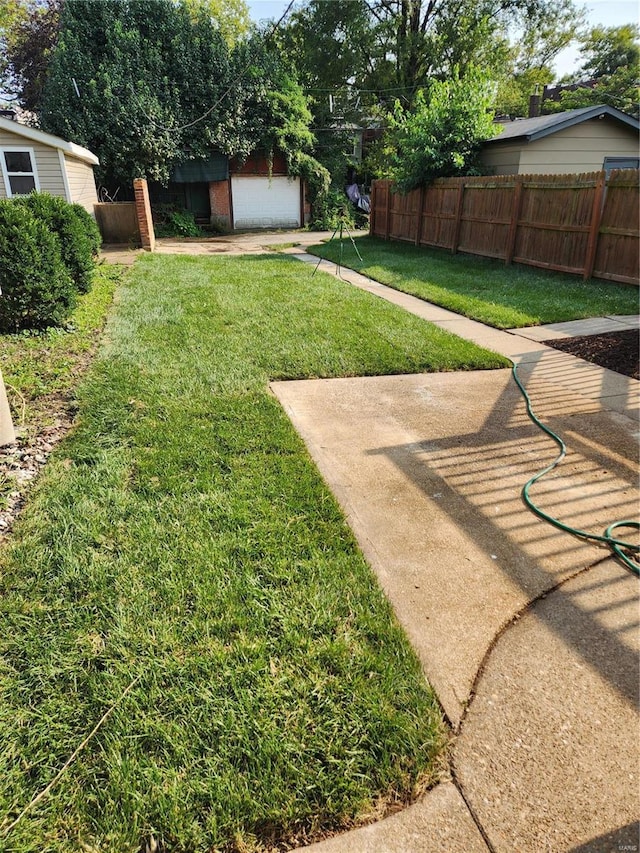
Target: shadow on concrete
[593,487]
[623,840]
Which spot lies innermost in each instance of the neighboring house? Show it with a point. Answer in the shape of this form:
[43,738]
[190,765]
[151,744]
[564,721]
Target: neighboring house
[236,195]
[584,140]
[33,160]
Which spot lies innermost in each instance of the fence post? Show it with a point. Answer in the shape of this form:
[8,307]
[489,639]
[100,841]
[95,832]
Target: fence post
[387,221]
[596,218]
[516,207]
[458,222]
[419,216]
[372,208]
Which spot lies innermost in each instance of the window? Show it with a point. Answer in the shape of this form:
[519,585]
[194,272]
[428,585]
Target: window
[19,171]
[611,163]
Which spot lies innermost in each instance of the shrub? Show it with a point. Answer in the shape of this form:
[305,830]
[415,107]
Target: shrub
[176,223]
[90,227]
[37,290]
[77,239]
[331,209]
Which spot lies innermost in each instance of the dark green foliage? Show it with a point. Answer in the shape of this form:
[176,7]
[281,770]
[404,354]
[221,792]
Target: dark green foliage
[37,290]
[157,85]
[176,223]
[77,238]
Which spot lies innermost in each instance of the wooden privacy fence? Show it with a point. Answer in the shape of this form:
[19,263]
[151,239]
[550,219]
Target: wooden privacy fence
[583,224]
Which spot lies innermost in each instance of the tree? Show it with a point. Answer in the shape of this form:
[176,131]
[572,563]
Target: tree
[29,32]
[387,49]
[547,30]
[610,71]
[442,135]
[230,16]
[11,12]
[607,49]
[145,85]
[30,41]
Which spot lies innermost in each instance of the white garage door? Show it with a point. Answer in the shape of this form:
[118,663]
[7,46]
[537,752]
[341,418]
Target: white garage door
[260,202]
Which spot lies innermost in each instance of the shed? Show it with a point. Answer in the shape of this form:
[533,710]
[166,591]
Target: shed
[584,140]
[33,160]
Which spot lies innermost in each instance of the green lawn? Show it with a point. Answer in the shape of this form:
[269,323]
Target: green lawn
[482,288]
[180,539]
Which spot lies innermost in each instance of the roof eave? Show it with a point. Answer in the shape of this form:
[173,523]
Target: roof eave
[594,112]
[34,135]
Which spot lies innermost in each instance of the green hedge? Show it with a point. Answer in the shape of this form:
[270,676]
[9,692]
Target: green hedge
[37,289]
[77,231]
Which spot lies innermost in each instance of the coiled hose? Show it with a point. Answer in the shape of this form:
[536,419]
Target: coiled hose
[617,546]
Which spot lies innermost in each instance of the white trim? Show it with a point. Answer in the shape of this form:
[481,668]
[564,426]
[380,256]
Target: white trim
[6,174]
[33,135]
[65,178]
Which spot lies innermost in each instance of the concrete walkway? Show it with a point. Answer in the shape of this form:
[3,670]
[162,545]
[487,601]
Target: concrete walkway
[528,635]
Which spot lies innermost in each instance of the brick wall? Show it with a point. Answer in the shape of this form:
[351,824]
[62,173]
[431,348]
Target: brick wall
[220,201]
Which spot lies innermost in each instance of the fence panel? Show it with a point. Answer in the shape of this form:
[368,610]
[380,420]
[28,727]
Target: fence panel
[551,221]
[405,215]
[117,222]
[555,221]
[617,255]
[439,211]
[486,217]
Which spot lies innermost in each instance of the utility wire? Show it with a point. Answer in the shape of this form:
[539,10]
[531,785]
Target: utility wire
[231,85]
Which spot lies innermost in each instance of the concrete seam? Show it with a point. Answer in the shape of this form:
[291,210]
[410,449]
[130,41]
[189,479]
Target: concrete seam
[512,621]
[472,813]
[515,618]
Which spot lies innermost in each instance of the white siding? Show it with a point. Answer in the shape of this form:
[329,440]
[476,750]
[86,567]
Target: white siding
[82,183]
[47,164]
[262,202]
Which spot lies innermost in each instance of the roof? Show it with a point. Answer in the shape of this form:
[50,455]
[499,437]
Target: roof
[531,129]
[33,135]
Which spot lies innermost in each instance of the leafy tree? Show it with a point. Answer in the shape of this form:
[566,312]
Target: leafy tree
[31,37]
[149,83]
[381,50]
[607,49]
[611,70]
[547,30]
[11,13]
[442,135]
[230,16]
[619,90]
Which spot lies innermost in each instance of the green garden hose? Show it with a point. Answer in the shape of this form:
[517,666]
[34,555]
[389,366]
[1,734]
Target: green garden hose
[617,546]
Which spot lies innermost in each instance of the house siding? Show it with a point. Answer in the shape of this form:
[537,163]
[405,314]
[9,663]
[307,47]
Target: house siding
[581,148]
[47,164]
[82,183]
[502,159]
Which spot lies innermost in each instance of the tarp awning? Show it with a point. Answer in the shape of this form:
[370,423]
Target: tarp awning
[215,167]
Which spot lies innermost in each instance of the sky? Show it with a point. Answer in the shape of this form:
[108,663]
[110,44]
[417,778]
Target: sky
[610,13]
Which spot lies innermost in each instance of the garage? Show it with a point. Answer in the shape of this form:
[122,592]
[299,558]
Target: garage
[262,202]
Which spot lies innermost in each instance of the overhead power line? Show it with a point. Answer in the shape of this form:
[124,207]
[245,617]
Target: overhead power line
[231,85]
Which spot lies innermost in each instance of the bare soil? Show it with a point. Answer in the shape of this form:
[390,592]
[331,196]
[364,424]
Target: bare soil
[617,351]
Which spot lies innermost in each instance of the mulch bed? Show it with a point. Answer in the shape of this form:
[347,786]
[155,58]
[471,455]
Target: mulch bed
[615,350]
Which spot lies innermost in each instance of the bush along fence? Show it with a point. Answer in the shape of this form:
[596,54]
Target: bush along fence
[585,224]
